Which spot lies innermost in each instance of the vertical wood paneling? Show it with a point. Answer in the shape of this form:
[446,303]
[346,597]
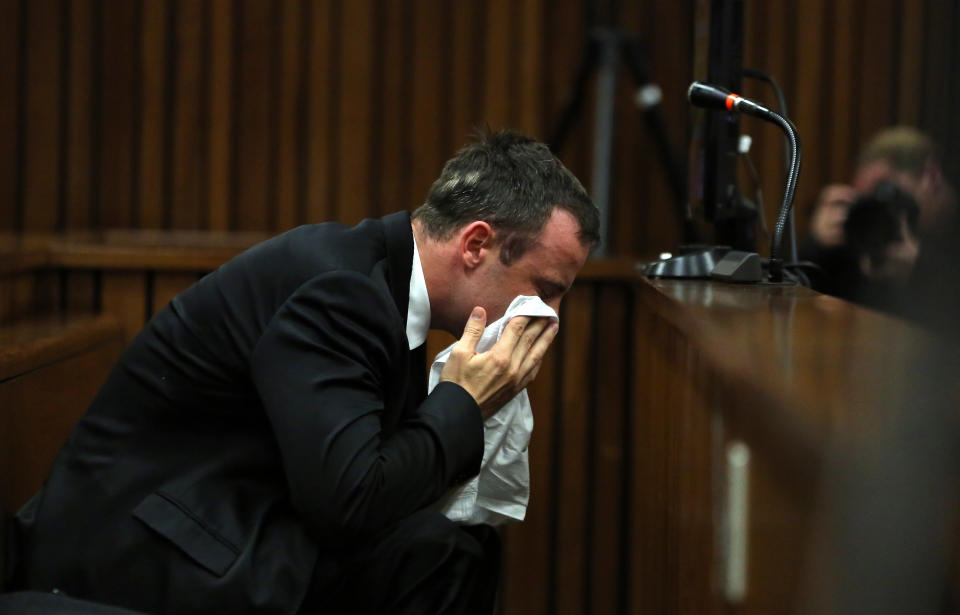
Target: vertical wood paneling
[152,158]
[878,66]
[845,142]
[647,543]
[124,293]
[20,295]
[939,64]
[692,535]
[529,49]
[119,29]
[78,114]
[815,114]
[571,461]
[220,115]
[320,158]
[10,92]
[767,149]
[527,547]
[252,147]
[6,298]
[259,115]
[638,161]
[394,154]
[42,114]
[499,101]
[428,147]
[82,289]
[357,71]
[606,500]
[288,116]
[467,60]
[564,50]
[910,74]
[166,286]
[185,197]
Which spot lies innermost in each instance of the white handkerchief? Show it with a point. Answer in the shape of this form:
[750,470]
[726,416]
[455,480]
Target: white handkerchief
[500,492]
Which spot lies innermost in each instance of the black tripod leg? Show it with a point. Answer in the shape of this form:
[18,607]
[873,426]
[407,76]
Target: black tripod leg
[572,107]
[635,60]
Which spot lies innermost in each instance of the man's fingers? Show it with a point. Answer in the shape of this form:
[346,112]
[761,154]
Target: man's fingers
[531,362]
[473,329]
[511,336]
[530,335]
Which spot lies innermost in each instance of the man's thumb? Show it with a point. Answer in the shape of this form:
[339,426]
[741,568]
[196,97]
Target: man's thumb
[474,328]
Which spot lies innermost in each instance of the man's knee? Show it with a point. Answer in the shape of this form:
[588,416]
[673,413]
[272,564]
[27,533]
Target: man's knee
[429,532]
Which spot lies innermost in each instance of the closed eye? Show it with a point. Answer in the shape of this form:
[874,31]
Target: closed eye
[549,290]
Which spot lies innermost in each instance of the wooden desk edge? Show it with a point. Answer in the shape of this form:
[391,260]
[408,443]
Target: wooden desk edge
[33,344]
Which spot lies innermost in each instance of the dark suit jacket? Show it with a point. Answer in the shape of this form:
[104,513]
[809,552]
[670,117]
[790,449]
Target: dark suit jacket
[272,414]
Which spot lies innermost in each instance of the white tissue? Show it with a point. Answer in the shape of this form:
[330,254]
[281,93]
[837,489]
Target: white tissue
[500,492]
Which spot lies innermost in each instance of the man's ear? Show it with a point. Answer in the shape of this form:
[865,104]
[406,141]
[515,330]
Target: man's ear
[475,239]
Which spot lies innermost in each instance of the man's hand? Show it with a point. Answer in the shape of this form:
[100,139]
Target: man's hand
[829,214]
[495,377]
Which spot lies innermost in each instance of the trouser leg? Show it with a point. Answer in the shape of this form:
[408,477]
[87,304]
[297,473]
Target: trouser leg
[423,564]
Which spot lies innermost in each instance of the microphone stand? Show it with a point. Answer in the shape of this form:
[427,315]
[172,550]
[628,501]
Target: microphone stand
[786,208]
[735,265]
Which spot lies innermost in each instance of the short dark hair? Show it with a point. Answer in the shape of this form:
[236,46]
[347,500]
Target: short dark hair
[513,183]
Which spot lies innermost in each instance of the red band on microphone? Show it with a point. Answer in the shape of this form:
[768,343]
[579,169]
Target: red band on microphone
[731,101]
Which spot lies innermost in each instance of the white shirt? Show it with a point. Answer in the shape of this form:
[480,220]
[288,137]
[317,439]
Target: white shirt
[418,307]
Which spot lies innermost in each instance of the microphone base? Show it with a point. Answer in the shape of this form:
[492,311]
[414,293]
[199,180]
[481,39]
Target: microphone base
[716,263]
[697,263]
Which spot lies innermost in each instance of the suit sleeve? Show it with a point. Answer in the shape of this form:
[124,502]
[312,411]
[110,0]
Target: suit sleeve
[321,368]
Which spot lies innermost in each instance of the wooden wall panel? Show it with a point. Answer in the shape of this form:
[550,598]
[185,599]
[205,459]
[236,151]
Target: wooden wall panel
[501,58]
[320,156]
[289,116]
[81,291]
[118,30]
[467,28]
[354,134]
[391,180]
[251,151]
[529,556]
[152,196]
[75,185]
[188,86]
[50,369]
[909,77]
[570,564]
[263,115]
[124,295]
[40,151]
[11,125]
[166,286]
[429,103]
[606,507]
[219,110]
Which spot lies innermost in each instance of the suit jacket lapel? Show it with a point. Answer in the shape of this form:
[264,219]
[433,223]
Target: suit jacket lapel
[417,383]
[399,240]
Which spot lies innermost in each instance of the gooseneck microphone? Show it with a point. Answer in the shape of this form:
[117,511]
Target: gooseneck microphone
[713,97]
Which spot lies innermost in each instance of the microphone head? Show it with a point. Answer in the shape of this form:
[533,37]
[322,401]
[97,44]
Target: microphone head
[707,96]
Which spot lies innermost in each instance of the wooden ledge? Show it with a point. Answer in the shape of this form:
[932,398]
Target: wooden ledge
[121,249]
[32,344]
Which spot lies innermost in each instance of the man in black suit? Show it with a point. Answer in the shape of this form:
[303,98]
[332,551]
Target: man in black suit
[266,444]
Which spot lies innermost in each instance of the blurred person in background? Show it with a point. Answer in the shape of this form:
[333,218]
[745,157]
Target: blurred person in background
[866,237]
